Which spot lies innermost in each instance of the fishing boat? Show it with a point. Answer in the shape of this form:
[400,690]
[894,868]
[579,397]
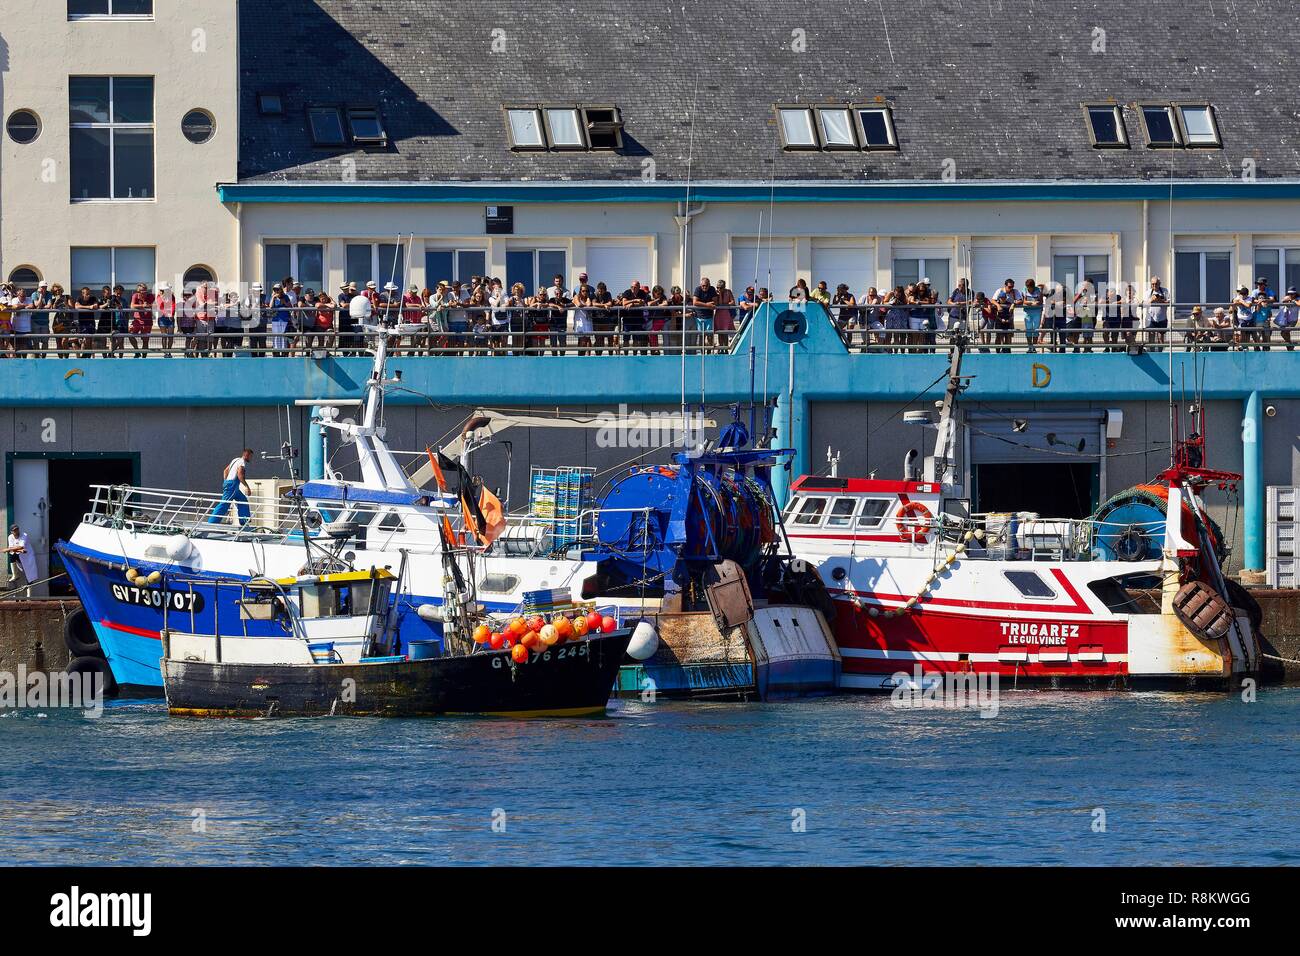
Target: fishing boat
[321,645]
[1133,595]
[133,542]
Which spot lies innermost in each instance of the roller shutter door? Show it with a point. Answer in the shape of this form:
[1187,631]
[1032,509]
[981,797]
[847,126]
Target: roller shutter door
[617,263]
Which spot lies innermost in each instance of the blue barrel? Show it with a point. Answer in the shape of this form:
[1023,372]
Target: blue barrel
[422,650]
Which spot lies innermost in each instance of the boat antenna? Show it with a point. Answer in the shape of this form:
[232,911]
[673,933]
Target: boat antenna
[753,346]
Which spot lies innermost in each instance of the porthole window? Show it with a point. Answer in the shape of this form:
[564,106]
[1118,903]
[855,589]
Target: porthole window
[198,126]
[23,126]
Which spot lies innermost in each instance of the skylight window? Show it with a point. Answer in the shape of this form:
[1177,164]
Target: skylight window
[877,127]
[837,128]
[326,126]
[797,131]
[566,128]
[1199,127]
[565,131]
[1106,127]
[525,129]
[1162,133]
[367,128]
[270,104]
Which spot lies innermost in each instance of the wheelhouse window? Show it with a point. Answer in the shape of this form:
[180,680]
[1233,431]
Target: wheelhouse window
[811,511]
[111,137]
[1106,127]
[1198,126]
[1029,584]
[1162,130]
[874,511]
[841,513]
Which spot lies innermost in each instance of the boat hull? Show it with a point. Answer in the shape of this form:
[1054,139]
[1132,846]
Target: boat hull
[570,680]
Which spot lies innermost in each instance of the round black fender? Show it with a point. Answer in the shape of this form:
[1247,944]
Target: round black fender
[79,635]
[94,665]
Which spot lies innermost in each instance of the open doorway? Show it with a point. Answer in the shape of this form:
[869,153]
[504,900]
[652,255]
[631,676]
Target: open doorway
[50,492]
[1064,489]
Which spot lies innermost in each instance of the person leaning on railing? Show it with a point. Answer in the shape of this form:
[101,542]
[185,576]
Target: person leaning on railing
[42,302]
[1287,315]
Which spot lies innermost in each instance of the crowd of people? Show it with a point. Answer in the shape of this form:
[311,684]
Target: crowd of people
[482,316]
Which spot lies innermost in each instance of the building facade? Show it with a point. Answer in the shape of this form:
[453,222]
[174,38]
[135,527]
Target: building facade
[120,117]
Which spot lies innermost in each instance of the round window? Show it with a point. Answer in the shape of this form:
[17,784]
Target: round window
[198,126]
[24,126]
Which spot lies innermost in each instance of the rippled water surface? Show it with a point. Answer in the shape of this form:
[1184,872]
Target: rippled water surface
[1196,779]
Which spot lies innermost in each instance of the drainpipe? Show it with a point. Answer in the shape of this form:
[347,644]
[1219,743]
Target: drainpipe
[1146,256]
[1252,453]
[683,219]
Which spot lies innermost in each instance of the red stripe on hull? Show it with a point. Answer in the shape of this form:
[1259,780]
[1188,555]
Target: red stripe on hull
[928,632]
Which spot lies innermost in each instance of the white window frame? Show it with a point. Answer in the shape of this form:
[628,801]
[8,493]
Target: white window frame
[1201,250]
[1041,580]
[1281,248]
[112,263]
[112,127]
[807,501]
[431,281]
[374,245]
[890,129]
[860,514]
[78,17]
[1079,255]
[538,278]
[293,245]
[1121,128]
[846,520]
[1180,110]
[922,269]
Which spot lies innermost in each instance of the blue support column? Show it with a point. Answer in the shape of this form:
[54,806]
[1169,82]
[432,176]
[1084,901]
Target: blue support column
[1252,485]
[791,424]
[315,447]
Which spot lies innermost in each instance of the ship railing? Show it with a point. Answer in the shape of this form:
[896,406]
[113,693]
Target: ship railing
[1021,536]
[171,512]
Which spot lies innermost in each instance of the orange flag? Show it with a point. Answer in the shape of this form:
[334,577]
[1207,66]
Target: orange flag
[437,472]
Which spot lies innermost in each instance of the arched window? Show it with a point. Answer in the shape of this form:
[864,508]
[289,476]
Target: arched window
[196,274]
[25,276]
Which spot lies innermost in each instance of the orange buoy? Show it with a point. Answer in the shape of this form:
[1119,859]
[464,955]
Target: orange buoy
[496,641]
[563,626]
[482,633]
[536,623]
[580,626]
[593,621]
[549,635]
[520,654]
[518,626]
[531,641]
[608,624]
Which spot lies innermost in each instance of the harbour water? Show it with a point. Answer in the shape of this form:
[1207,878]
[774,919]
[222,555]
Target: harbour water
[1181,778]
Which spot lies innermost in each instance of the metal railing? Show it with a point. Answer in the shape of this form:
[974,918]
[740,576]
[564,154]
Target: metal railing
[658,330]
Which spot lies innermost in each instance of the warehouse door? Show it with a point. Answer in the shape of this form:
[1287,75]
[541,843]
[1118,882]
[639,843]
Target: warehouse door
[617,263]
[1047,462]
[49,495]
[993,261]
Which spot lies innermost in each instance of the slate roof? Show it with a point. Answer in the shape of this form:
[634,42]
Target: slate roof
[994,85]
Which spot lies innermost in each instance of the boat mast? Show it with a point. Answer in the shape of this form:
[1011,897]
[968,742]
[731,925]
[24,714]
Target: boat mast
[939,467]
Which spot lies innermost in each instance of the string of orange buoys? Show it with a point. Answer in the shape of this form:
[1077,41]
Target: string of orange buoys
[534,634]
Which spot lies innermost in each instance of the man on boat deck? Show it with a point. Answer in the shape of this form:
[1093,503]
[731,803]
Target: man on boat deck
[234,488]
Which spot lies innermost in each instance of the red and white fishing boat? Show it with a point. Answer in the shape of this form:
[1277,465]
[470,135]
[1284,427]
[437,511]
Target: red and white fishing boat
[1134,594]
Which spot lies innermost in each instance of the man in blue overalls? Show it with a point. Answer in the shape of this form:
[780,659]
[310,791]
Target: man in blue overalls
[234,487]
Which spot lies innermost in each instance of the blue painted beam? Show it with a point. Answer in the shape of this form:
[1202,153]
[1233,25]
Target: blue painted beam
[764,192]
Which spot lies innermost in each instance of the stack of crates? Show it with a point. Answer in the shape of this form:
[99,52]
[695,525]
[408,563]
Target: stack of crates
[559,497]
[1283,563]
